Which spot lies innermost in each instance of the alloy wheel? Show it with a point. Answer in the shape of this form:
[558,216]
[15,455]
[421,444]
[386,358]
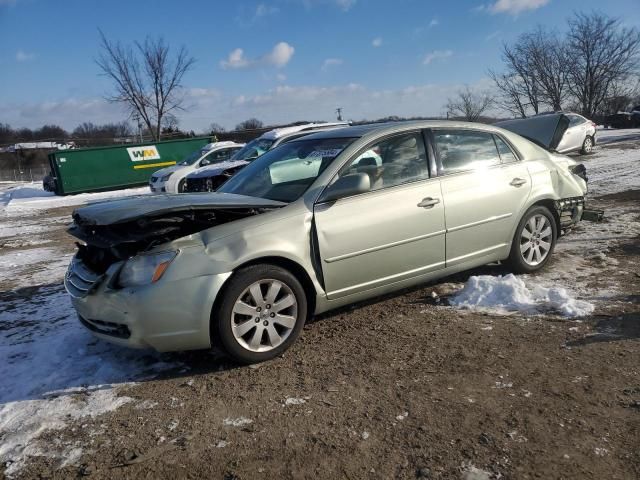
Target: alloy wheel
[264,315]
[588,145]
[536,240]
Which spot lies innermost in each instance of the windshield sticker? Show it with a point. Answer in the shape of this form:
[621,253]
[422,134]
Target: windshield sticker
[333,152]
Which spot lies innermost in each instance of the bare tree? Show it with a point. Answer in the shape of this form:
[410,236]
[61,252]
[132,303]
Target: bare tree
[519,85]
[469,104]
[147,78]
[512,96]
[250,124]
[549,59]
[216,128]
[604,56]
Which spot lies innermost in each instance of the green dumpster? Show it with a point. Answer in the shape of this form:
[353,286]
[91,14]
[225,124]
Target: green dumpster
[111,168]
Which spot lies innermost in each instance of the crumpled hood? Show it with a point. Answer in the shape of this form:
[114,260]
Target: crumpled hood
[544,130]
[217,169]
[127,209]
[166,171]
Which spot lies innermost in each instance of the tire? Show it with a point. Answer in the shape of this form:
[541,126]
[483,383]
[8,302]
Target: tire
[251,330]
[587,146]
[181,185]
[535,222]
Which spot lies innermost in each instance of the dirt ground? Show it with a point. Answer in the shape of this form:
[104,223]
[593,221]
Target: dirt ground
[401,387]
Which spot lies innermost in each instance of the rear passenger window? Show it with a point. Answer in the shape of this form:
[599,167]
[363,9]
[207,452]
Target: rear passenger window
[506,154]
[464,150]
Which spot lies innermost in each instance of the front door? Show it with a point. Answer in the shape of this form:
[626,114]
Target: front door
[391,233]
[484,188]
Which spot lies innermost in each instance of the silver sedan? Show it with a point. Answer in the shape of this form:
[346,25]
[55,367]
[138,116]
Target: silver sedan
[326,220]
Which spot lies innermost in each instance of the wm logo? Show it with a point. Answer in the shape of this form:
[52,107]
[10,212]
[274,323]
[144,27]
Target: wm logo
[139,154]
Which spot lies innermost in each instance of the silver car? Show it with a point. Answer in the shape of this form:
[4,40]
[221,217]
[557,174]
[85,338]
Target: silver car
[323,221]
[576,135]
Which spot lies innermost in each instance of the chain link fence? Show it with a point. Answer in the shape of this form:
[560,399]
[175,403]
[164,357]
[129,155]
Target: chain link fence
[35,174]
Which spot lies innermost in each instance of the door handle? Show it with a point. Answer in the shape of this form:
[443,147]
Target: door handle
[429,202]
[517,182]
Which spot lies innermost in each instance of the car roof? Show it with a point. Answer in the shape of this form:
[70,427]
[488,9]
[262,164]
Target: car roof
[280,132]
[358,131]
[226,143]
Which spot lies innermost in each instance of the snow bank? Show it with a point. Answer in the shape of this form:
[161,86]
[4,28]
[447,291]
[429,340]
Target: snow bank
[509,293]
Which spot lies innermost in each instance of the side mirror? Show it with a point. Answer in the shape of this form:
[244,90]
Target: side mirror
[352,184]
[205,162]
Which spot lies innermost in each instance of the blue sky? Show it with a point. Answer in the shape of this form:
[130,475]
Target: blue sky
[277,60]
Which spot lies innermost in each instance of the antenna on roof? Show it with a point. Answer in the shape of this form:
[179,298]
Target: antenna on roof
[339,113]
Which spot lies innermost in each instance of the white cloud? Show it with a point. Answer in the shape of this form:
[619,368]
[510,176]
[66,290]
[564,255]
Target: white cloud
[434,22]
[345,4]
[263,10]
[493,35]
[511,7]
[331,62]
[278,57]
[235,59]
[22,56]
[281,77]
[436,55]
[376,42]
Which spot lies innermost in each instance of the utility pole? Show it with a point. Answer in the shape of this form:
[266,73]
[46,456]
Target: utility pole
[136,118]
[339,112]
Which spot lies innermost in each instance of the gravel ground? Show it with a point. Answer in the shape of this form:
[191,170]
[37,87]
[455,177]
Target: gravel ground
[400,387]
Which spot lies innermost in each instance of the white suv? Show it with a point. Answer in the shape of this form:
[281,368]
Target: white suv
[172,179]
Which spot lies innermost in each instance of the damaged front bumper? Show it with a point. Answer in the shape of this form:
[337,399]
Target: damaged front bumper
[167,315]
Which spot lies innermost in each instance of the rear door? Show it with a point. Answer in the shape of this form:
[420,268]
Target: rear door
[574,137]
[484,187]
[389,234]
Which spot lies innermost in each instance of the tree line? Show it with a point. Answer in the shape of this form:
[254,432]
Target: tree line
[593,69]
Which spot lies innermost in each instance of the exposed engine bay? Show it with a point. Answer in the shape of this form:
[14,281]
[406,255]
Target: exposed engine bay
[107,244]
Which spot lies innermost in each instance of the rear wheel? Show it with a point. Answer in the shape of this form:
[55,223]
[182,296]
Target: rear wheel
[262,313]
[534,241]
[587,146]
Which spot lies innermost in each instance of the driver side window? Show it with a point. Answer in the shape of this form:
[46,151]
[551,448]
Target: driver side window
[394,161]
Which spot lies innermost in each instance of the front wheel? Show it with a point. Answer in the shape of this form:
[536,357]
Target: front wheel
[262,313]
[587,146]
[534,241]
[181,185]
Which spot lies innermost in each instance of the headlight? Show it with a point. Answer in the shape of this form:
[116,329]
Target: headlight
[145,269]
[166,177]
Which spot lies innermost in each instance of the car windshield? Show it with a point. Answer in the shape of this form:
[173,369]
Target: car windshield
[253,149]
[286,172]
[193,157]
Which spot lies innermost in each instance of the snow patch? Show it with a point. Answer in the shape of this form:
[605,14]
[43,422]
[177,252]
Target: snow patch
[237,422]
[54,371]
[509,293]
[21,423]
[295,401]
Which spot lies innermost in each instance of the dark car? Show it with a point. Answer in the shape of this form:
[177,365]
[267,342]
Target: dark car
[624,119]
